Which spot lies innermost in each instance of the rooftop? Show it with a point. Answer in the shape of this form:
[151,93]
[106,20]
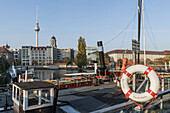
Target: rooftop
[34,85]
[166,52]
[3,50]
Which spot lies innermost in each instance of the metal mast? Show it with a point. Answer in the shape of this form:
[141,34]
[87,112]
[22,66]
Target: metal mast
[139,22]
[143,32]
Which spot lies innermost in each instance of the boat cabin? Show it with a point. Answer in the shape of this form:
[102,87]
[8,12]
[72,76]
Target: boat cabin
[33,97]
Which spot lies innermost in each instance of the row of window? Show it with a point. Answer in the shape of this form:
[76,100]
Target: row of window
[38,51]
[38,54]
[38,58]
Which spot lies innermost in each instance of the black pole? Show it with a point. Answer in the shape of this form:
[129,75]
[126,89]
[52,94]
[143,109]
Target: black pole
[101,57]
[139,23]
[56,88]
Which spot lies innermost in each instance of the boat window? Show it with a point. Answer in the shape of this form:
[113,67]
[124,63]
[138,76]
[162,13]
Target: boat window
[18,94]
[33,97]
[21,97]
[14,91]
[45,96]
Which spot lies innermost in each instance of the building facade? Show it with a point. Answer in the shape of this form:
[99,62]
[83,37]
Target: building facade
[53,42]
[38,55]
[4,52]
[91,53]
[16,53]
[65,52]
[115,55]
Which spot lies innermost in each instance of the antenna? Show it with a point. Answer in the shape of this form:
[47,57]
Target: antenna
[37,15]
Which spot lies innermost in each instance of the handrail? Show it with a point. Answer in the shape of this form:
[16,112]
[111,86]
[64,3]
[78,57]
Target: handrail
[164,92]
[125,105]
[115,108]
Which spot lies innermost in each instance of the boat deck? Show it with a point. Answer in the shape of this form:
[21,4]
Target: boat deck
[90,98]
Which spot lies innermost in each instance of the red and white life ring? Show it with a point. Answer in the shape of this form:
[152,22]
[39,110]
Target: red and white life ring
[154,83]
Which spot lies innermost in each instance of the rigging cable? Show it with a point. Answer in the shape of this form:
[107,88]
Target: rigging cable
[123,40]
[133,29]
[151,36]
[130,30]
[151,39]
[121,31]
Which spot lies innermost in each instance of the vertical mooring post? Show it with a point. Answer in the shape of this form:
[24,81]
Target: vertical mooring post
[6,103]
[56,89]
[26,74]
[161,104]
[101,57]
[134,49]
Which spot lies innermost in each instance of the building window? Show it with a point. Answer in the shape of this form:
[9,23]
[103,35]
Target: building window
[21,97]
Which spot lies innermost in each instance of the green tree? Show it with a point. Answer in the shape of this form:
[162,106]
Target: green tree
[4,64]
[149,61]
[81,56]
[166,59]
[106,58]
[67,60]
[159,61]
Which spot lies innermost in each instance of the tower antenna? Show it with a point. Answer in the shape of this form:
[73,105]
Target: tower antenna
[37,28]
[37,15]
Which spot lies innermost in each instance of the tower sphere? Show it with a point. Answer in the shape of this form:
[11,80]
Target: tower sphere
[37,28]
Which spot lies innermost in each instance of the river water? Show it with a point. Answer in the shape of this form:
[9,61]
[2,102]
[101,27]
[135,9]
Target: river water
[53,74]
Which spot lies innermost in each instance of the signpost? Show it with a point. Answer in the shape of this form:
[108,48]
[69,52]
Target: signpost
[135,50]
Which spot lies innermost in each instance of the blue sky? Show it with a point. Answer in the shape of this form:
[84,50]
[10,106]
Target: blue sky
[94,20]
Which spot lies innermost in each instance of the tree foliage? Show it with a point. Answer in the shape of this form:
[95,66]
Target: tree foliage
[159,61]
[119,62]
[67,60]
[4,64]
[106,58]
[81,56]
[149,61]
[166,59]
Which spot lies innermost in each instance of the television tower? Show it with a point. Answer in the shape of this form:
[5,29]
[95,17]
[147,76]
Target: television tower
[37,28]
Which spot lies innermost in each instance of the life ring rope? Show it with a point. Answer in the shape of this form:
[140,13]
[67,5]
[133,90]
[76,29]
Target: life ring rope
[140,97]
[152,93]
[148,70]
[128,93]
[126,73]
[141,106]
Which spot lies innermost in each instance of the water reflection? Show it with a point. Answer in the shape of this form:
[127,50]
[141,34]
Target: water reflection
[53,74]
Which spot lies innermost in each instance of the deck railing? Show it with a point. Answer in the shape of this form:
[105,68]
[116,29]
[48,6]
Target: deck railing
[129,106]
